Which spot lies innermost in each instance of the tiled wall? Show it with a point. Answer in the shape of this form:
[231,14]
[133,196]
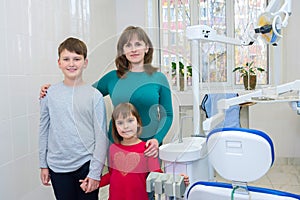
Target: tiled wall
[30,33]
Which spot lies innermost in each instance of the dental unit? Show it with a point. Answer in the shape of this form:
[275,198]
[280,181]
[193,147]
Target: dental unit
[232,152]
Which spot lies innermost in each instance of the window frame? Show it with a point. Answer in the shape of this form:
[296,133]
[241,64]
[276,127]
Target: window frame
[230,49]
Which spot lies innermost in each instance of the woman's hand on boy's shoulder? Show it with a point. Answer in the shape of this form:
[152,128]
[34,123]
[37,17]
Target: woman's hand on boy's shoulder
[43,90]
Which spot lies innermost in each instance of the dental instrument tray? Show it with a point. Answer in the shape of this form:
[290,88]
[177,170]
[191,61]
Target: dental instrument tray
[266,99]
[262,98]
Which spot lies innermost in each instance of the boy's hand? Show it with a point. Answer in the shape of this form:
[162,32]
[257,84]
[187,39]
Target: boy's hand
[44,89]
[89,184]
[45,176]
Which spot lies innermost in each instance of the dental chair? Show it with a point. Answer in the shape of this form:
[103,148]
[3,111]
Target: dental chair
[239,155]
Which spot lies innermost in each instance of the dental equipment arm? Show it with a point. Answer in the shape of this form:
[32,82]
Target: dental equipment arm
[286,9]
[206,33]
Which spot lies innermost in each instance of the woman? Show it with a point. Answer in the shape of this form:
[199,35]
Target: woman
[136,81]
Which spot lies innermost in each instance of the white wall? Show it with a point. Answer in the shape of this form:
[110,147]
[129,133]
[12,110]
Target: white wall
[291,46]
[130,12]
[30,33]
[136,13]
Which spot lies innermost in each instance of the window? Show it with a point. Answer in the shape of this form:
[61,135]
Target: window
[258,52]
[227,17]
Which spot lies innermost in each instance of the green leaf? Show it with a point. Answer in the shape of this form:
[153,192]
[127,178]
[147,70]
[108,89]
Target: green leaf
[237,68]
[173,65]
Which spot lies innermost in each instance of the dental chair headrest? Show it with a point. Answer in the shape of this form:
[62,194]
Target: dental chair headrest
[240,154]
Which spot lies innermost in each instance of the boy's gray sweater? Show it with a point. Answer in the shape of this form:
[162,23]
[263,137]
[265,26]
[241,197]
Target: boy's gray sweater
[73,129]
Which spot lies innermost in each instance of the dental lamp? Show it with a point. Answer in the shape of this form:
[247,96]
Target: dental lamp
[269,27]
[273,20]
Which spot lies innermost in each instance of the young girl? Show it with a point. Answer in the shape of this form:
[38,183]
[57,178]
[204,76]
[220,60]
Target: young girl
[128,166]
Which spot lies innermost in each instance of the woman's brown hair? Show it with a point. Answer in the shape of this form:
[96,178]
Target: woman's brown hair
[121,61]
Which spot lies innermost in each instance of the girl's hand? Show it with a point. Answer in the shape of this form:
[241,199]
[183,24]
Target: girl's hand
[43,90]
[83,184]
[151,148]
[186,179]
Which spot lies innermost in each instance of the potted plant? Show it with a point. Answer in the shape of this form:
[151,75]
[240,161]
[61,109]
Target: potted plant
[181,73]
[248,72]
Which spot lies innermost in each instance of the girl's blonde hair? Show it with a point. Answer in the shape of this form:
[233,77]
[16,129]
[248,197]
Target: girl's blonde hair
[124,110]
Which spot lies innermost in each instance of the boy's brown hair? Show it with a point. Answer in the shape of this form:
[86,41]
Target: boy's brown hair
[73,45]
[124,110]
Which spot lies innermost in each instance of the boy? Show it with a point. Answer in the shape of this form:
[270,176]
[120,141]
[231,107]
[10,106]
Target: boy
[72,138]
